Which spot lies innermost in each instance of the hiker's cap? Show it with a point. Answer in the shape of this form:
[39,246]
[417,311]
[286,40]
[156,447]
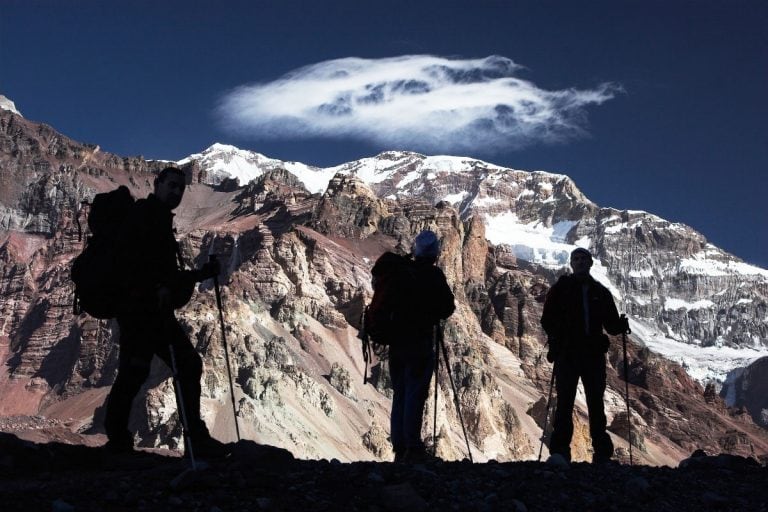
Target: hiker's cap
[581,250]
[426,245]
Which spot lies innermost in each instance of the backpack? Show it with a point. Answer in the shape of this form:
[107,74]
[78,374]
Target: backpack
[95,271]
[393,292]
[394,305]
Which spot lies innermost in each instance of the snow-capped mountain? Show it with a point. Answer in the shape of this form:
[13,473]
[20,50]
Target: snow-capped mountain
[6,104]
[687,299]
[297,244]
[221,161]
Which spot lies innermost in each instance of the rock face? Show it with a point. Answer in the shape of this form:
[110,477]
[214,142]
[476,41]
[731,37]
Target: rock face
[748,388]
[296,262]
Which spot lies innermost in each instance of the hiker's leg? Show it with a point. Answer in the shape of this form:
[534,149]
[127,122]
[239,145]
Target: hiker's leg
[133,369]
[397,375]
[593,377]
[189,366]
[566,380]
[418,377]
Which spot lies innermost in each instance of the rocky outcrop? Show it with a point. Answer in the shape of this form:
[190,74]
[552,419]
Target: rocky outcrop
[748,388]
[349,209]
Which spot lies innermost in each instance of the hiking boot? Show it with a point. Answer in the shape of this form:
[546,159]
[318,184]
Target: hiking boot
[559,460]
[205,446]
[119,445]
[600,459]
[419,455]
[603,454]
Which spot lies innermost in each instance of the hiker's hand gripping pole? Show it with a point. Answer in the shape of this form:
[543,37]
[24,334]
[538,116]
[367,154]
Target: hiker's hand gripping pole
[214,261]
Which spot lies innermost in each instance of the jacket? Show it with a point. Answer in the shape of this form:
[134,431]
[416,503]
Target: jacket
[150,256]
[564,319]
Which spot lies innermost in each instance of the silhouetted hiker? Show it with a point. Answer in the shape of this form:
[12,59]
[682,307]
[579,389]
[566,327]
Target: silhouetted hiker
[421,298]
[576,310]
[155,284]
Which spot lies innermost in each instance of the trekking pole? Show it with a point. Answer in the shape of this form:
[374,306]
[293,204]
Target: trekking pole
[455,395]
[626,389]
[366,344]
[226,350]
[180,403]
[437,374]
[546,417]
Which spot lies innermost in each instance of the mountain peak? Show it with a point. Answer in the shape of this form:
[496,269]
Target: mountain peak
[7,104]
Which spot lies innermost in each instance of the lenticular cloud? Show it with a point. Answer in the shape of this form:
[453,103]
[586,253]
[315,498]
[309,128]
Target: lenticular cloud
[418,102]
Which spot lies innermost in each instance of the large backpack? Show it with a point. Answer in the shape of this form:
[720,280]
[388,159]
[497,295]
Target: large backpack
[394,305]
[383,320]
[96,270]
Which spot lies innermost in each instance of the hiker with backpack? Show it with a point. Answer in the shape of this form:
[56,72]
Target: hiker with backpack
[152,283]
[576,311]
[411,296]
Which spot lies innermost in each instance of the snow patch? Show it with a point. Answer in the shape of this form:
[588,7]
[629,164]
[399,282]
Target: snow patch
[561,229]
[704,364]
[534,242]
[6,104]
[584,242]
[486,201]
[675,304]
[456,198]
[409,178]
[699,264]
[525,193]
[600,274]
[615,229]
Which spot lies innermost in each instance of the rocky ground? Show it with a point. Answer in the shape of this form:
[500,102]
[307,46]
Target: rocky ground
[62,477]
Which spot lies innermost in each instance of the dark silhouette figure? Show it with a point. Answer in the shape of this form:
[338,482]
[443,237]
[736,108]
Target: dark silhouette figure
[411,359]
[576,311]
[154,285]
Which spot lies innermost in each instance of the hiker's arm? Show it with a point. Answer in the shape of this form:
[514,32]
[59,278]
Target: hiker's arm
[445,303]
[183,285]
[551,316]
[612,322]
[552,319]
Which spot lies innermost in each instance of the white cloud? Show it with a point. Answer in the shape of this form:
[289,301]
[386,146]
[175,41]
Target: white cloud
[418,102]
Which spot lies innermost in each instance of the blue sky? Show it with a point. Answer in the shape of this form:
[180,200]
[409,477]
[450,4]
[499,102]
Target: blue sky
[653,105]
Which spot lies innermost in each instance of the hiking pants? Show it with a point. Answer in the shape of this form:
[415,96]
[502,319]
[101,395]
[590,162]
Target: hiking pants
[141,337]
[411,372]
[590,367]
